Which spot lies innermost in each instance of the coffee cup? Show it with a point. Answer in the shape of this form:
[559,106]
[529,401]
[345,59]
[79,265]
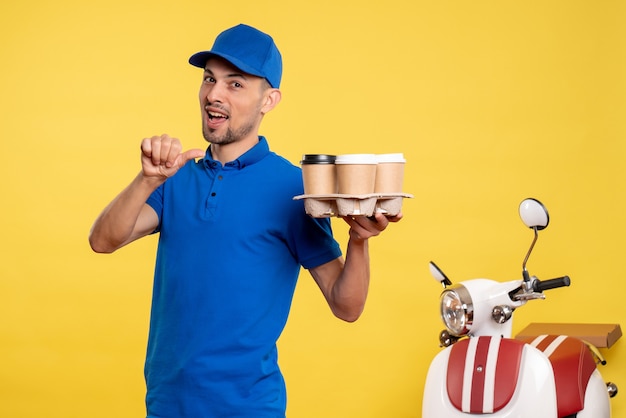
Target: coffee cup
[318,174]
[356,173]
[389,173]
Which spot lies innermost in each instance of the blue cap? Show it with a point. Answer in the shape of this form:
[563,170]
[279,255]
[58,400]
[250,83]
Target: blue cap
[248,49]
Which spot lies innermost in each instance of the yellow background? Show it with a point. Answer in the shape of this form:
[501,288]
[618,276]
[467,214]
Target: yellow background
[490,101]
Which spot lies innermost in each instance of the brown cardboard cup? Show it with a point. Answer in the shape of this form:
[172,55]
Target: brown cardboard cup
[389,173]
[356,174]
[318,174]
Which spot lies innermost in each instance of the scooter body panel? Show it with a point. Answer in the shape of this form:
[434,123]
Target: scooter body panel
[534,395]
[597,401]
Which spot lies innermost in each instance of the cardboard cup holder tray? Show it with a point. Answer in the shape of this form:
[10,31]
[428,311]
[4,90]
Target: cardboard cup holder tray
[325,206]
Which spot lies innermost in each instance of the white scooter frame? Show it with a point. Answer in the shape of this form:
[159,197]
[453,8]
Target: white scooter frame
[489,373]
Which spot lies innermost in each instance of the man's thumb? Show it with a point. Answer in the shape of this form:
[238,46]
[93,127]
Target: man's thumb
[191,154]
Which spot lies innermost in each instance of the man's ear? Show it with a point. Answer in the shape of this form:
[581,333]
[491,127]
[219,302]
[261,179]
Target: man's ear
[272,98]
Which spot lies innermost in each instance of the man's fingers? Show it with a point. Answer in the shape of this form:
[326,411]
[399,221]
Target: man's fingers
[146,147]
[365,227]
[163,156]
[162,150]
[155,143]
[395,218]
[170,149]
[153,148]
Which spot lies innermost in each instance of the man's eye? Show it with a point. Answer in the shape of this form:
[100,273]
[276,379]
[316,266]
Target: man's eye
[237,85]
[209,79]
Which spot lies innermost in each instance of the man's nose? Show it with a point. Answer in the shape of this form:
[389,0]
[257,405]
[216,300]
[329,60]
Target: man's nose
[215,93]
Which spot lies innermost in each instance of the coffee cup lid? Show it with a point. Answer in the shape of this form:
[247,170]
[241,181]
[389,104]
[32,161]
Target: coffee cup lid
[356,159]
[318,159]
[390,158]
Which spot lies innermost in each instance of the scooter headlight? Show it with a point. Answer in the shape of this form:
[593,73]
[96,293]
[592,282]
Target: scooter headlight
[457,310]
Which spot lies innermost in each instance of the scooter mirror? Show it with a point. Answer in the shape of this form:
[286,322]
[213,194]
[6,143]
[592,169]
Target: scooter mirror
[534,214]
[438,274]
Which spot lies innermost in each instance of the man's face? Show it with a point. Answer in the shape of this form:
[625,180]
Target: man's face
[231,103]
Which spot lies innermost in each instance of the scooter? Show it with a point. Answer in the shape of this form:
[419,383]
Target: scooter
[483,370]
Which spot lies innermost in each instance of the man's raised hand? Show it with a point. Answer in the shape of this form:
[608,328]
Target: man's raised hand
[162,156]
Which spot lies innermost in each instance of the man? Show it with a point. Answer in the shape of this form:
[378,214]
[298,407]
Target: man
[231,244]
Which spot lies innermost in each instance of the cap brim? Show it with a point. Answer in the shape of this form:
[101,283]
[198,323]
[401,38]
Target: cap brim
[199,60]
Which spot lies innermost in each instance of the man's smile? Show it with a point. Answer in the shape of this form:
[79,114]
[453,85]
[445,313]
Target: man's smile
[213,114]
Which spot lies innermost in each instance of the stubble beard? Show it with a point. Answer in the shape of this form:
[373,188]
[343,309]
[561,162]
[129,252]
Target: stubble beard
[228,137]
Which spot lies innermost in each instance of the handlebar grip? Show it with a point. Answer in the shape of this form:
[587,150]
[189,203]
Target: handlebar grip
[540,286]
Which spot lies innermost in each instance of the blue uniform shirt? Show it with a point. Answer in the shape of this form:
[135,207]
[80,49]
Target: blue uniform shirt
[232,241]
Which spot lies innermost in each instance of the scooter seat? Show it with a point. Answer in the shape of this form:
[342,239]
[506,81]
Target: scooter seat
[573,365]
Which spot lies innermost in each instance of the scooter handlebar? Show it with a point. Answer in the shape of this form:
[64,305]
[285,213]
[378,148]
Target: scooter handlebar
[539,286]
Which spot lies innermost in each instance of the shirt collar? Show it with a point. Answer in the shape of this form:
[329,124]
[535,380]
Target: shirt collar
[253,155]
